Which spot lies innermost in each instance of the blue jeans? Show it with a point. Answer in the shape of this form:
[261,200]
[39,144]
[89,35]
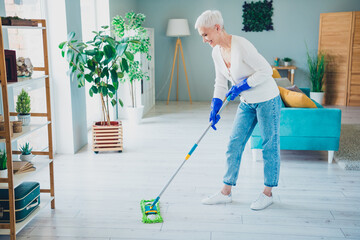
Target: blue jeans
[267,114]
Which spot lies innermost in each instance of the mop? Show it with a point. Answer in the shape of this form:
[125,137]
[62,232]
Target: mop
[150,208]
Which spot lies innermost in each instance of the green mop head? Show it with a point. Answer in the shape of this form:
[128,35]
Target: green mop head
[154,217]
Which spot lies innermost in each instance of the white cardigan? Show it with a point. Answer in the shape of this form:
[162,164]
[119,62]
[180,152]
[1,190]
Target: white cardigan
[245,62]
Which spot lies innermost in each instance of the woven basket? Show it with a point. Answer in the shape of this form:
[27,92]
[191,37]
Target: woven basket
[17,127]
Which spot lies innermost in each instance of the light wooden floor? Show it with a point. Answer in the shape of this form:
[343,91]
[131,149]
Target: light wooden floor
[98,195]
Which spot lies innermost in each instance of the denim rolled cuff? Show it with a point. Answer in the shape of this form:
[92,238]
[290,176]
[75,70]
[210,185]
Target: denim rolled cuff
[230,184]
[267,185]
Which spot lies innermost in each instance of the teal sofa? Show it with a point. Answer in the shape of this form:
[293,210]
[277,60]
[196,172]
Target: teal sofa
[305,129]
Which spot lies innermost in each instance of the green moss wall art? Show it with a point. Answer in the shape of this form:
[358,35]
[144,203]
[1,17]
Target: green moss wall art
[257,16]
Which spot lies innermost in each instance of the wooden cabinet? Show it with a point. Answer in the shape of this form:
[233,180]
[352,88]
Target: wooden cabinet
[339,38]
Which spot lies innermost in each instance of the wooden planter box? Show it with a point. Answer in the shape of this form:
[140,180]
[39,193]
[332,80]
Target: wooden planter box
[107,138]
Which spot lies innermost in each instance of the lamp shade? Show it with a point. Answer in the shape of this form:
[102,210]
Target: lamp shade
[178,28]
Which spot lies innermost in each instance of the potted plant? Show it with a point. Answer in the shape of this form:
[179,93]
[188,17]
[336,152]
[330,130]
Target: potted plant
[3,162]
[26,152]
[131,27]
[23,107]
[317,65]
[287,61]
[101,62]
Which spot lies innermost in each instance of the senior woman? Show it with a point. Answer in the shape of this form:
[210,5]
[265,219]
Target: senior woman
[238,61]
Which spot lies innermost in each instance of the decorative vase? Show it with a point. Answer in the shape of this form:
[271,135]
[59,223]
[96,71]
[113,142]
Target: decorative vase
[27,158]
[3,173]
[317,96]
[25,118]
[135,114]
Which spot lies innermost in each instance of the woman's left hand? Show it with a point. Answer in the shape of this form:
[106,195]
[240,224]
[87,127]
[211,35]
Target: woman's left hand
[237,89]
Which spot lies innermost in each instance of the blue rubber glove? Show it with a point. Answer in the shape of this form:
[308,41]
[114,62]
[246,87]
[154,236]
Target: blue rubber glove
[237,89]
[216,104]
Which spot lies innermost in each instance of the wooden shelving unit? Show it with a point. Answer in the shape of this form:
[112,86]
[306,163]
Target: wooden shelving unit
[47,195]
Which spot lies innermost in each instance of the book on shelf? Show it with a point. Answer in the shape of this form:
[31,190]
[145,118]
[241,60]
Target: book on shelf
[22,167]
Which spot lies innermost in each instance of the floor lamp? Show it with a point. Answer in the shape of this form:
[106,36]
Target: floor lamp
[178,28]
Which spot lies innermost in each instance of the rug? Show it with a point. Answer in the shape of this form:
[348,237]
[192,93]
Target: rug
[348,156]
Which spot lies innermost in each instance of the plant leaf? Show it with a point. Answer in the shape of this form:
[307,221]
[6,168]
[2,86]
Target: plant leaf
[106,61]
[120,49]
[95,89]
[111,88]
[129,55]
[116,85]
[105,72]
[109,51]
[61,45]
[124,40]
[98,56]
[104,91]
[91,65]
[90,52]
[89,78]
[135,41]
[91,93]
[70,55]
[121,103]
[120,74]
[97,80]
[71,35]
[125,65]
[113,102]
[111,41]
[114,76]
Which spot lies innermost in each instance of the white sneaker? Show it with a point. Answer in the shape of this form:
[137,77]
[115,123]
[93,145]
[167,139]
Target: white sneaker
[217,198]
[261,202]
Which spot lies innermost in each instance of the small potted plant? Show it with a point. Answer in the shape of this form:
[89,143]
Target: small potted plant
[26,152]
[23,107]
[3,161]
[317,65]
[287,61]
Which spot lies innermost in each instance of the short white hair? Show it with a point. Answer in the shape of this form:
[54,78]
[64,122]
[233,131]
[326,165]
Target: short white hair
[209,18]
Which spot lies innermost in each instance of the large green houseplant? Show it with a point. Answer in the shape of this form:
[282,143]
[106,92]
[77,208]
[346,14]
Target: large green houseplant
[317,65]
[102,62]
[131,27]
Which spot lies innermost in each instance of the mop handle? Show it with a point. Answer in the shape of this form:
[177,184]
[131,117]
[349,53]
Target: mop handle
[227,100]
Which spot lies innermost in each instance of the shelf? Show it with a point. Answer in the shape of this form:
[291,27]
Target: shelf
[26,130]
[21,27]
[22,82]
[45,199]
[40,162]
[38,79]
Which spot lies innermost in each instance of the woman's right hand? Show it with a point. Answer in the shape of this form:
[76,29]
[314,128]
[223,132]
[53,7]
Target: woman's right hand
[216,104]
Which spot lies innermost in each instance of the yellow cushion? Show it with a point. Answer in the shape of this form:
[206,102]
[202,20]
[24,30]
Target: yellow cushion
[276,73]
[295,99]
